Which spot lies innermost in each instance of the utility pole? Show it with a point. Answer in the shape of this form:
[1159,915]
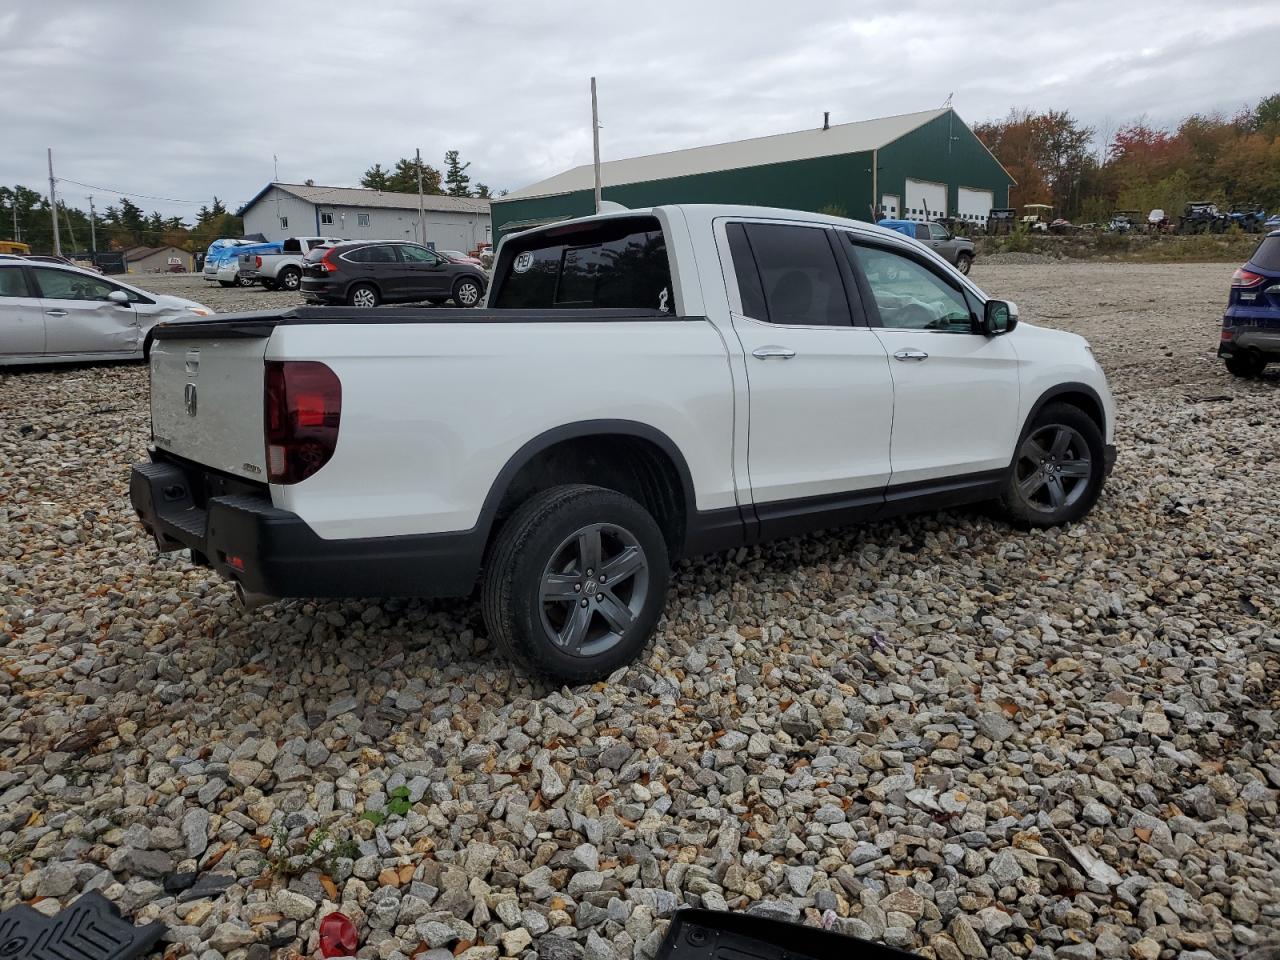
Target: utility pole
[595,139]
[417,153]
[71,232]
[53,209]
[17,234]
[93,231]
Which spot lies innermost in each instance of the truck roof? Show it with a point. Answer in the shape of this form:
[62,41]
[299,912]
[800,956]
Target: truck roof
[704,212]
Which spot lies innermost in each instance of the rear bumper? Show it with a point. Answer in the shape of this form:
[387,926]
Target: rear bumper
[319,291]
[274,552]
[1261,334]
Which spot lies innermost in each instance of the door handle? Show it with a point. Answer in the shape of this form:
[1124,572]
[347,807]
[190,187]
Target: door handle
[773,353]
[55,313]
[911,355]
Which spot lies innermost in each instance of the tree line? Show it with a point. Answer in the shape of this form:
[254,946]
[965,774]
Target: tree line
[1087,174]
[403,178]
[117,227]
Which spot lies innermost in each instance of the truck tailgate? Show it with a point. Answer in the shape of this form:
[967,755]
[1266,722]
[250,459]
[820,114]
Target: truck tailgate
[207,402]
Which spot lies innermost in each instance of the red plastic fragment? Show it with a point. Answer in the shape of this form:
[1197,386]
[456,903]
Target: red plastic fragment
[337,936]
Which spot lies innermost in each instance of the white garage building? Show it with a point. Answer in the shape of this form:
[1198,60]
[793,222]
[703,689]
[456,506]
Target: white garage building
[283,210]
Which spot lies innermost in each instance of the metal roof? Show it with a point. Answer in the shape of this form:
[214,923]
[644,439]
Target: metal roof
[363,197]
[840,138]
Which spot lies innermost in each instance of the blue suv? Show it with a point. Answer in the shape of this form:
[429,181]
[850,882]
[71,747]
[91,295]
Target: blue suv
[1251,325]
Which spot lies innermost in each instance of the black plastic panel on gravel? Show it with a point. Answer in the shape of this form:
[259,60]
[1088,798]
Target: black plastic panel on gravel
[89,929]
[714,935]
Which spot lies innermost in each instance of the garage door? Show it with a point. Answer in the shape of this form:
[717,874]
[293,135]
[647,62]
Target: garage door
[974,205]
[925,200]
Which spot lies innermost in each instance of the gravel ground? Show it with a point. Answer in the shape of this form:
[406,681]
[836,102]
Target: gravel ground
[940,732]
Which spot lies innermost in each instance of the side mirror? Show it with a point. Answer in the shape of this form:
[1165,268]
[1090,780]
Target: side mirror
[999,316]
[118,297]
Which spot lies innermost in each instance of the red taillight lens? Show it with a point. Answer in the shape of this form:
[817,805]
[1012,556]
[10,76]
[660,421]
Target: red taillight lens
[303,410]
[1246,278]
[329,263]
[257,262]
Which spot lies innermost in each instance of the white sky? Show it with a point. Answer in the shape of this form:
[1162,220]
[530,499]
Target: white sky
[188,100]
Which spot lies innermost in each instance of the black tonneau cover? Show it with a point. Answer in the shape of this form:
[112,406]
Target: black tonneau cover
[260,323]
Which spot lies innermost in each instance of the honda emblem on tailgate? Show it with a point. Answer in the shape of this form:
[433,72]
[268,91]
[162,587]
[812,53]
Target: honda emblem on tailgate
[189,398]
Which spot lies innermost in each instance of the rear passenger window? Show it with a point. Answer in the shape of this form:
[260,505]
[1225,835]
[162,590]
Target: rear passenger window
[13,282]
[798,271]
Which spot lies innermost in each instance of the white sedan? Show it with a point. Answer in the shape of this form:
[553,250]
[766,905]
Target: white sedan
[55,314]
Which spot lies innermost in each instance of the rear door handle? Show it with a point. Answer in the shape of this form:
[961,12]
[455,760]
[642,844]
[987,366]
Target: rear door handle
[773,353]
[911,354]
[55,313]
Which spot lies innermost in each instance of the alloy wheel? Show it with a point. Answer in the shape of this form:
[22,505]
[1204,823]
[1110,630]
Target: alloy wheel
[1053,468]
[468,294]
[593,589]
[364,297]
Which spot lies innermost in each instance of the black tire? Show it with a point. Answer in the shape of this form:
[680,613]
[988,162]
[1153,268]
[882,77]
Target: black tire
[550,637]
[963,262]
[1247,364]
[467,292]
[290,278]
[363,295]
[225,283]
[1067,479]
[244,281]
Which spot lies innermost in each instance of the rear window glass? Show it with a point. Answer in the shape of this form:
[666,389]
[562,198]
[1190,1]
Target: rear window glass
[619,264]
[1267,256]
[315,253]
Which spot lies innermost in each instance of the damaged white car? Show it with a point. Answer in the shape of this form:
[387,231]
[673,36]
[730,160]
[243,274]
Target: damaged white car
[57,314]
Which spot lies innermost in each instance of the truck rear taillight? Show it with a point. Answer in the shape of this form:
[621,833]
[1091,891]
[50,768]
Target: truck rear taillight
[257,262]
[303,410]
[1246,278]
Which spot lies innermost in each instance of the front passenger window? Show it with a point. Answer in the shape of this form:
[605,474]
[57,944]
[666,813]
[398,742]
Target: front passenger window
[908,295]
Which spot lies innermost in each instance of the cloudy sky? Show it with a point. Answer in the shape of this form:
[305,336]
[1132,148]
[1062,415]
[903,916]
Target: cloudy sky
[189,100]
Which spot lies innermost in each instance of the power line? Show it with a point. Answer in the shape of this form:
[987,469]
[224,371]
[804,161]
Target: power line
[126,193]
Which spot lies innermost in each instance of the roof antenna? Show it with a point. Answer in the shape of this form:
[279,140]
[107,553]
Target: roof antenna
[826,119]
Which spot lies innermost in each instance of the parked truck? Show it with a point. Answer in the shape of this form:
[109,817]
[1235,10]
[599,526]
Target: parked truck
[282,270]
[640,386]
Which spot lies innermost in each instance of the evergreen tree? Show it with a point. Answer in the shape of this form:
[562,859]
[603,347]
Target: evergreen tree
[375,178]
[457,182]
[482,191]
[404,179]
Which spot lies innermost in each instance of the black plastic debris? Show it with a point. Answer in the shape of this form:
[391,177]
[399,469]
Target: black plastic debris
[89,929]
[711,935]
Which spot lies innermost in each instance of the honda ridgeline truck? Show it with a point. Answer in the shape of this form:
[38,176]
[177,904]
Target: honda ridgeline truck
[640,386]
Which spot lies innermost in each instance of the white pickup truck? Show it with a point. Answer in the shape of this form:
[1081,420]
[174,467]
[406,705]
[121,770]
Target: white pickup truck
[280,271]
[641,385]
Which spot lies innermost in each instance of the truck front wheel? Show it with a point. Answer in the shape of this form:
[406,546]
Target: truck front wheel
[574,582]
[964,262]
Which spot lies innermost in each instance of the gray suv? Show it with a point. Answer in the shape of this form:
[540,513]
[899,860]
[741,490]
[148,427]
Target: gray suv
[367,273]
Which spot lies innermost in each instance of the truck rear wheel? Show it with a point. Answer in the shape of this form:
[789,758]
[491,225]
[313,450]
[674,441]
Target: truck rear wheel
[575,582]
[289,279]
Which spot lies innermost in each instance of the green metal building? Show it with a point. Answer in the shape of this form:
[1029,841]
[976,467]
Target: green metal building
[917,165]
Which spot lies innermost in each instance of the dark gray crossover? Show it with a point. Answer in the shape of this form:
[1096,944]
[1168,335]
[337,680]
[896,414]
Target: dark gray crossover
[367,273]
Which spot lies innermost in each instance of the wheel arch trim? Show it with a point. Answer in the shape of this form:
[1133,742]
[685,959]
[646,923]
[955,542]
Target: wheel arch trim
[578,430]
